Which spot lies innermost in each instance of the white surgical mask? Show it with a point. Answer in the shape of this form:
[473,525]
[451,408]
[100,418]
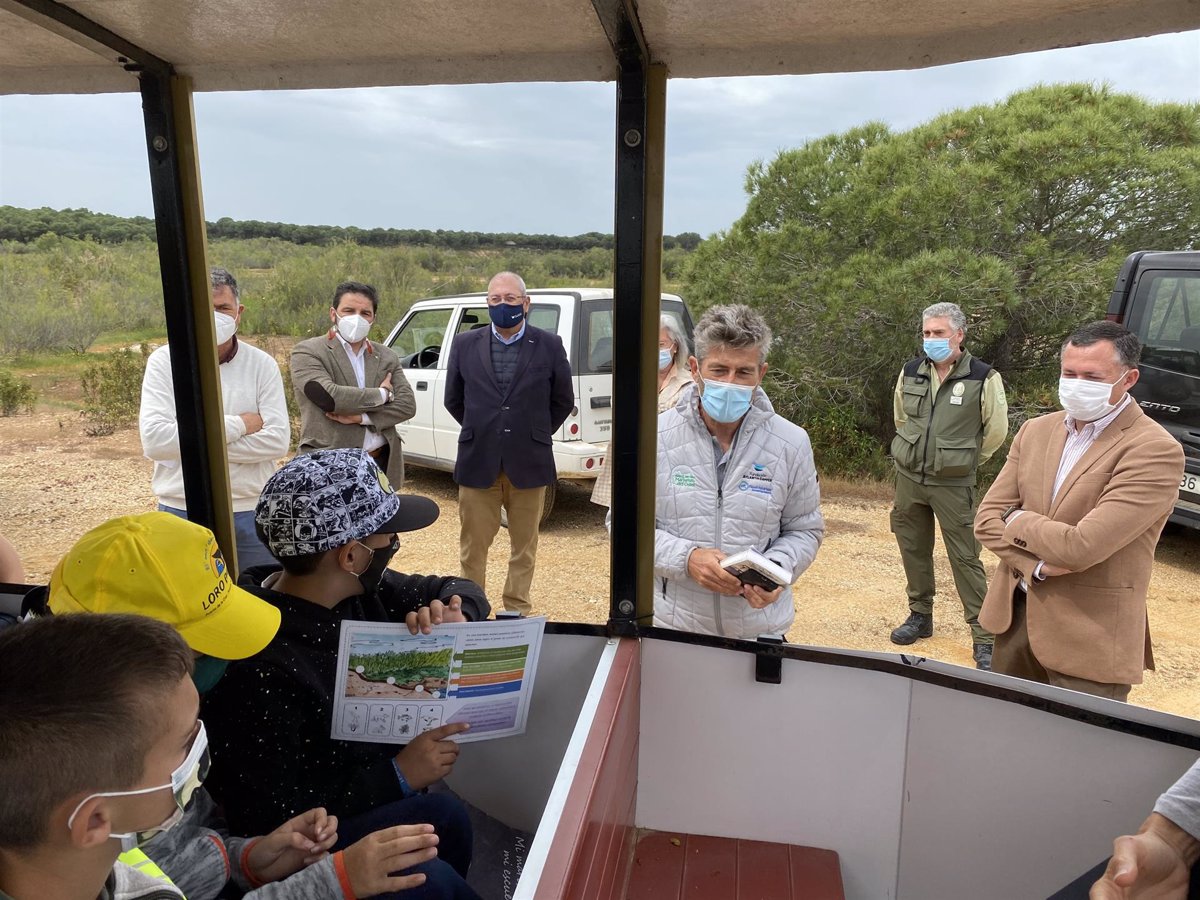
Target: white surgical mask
[185,780]
[226,326]
[353,328]
[1087,401]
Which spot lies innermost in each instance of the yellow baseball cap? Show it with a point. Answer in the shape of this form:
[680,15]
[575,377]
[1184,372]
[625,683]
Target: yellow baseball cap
[159,565]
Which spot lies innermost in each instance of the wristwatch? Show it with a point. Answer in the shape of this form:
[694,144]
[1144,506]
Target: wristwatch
[1008,512]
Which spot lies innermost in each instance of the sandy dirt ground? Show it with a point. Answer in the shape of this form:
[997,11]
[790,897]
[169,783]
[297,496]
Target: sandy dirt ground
[56,483]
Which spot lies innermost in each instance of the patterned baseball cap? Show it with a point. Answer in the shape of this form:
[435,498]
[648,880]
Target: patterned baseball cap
[327,499]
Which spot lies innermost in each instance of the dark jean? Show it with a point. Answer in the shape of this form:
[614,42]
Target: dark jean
[445,876]
[251,551]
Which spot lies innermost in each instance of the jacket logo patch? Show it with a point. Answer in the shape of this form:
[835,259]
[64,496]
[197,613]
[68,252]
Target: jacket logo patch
[683,479]
[756,487]
[959,389]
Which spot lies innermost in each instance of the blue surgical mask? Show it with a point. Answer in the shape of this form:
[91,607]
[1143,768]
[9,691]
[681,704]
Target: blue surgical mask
[726,402]
[664,360]
[506,315]
[938,349]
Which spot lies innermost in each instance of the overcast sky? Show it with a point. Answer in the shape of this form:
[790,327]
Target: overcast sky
[511,157]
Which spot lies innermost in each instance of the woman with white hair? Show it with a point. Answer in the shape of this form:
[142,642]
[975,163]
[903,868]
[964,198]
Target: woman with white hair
[673,378]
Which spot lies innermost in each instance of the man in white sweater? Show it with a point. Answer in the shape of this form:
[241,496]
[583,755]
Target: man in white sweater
[257,429]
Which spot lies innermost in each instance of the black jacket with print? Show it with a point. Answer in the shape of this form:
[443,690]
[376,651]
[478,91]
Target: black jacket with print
[269,717]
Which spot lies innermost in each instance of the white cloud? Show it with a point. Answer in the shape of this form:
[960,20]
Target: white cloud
[512,157]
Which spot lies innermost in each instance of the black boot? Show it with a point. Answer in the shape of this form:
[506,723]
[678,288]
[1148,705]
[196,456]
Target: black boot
[983,657]
[917,625]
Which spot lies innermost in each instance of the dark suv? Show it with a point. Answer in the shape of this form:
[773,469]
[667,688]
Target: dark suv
[1157,296]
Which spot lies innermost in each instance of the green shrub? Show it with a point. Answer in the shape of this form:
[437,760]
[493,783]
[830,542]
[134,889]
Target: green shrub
[112,390]
[16,396]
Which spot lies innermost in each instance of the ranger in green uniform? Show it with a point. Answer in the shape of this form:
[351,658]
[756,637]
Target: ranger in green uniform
[951,415]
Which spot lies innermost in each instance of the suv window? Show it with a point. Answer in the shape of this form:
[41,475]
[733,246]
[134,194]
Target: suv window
[419,343]
[1169,325]
[599,341]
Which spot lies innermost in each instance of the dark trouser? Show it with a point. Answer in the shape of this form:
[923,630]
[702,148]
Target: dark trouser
[1013,656]
[913,513]
[445,876]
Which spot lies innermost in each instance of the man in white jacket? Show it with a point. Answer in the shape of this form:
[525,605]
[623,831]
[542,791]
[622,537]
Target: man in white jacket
[732,476]
[257,429]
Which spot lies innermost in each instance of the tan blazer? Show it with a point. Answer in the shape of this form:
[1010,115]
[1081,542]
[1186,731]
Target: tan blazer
[1103,526]
[324,359]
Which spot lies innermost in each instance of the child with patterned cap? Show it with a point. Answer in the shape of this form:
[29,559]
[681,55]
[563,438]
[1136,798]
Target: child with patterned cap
[332,520]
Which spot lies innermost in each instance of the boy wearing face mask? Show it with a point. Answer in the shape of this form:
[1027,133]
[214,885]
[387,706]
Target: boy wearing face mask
[351,390]
[170,570]
[1074,516]
[257,427]
[951,416]
[82,788]
[732,476]
[332,521]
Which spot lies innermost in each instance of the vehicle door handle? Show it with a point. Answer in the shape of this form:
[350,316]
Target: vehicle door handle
[422,385]
[601,402]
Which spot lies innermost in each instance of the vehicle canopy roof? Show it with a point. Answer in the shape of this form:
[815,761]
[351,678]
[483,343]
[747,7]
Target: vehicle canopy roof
[287,44]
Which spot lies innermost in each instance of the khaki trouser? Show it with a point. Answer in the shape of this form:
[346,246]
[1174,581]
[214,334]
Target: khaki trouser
[479,520]
[1013,656]
[913,512]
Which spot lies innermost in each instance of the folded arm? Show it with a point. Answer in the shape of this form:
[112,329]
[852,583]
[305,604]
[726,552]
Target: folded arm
[308,364]
[272,440]
[1004,494]
[1142,489]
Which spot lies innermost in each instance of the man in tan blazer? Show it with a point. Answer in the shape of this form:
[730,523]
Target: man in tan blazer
[352,391]
[1074,517]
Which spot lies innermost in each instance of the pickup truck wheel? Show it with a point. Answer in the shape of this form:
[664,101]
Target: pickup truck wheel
[547,505]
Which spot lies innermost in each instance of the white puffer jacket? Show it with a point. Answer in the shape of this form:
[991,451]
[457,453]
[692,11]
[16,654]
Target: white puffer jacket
[769,501]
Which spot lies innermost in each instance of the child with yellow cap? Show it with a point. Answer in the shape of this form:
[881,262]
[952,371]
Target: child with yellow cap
[169,569]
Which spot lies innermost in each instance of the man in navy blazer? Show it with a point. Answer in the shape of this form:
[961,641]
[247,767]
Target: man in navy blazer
[509,386]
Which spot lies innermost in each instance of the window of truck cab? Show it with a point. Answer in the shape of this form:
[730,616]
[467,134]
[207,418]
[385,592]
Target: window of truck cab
[1167,310]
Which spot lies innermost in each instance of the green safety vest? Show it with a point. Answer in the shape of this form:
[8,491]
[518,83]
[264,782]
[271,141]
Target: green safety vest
[940,439]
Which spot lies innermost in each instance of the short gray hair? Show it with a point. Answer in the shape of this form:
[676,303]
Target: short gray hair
[670,325]
[950,311]
[218,277]
[513,275]
[736,326]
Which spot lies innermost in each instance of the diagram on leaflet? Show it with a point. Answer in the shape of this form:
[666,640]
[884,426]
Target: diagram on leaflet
[393,686]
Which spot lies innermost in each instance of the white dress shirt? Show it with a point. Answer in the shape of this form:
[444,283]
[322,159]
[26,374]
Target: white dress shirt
[372,440]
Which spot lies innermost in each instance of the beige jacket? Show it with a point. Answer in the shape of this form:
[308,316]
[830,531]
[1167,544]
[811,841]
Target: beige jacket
[1102,525]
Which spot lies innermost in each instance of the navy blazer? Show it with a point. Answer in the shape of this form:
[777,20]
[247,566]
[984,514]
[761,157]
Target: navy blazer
[508,431]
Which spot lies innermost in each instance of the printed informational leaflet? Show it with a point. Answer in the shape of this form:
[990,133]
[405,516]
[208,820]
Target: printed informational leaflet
[392,685]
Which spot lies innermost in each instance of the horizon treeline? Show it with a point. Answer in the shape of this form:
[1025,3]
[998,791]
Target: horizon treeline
[27,225]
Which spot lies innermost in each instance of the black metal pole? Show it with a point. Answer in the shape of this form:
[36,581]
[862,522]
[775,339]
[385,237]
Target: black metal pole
[628,363]
[169,216]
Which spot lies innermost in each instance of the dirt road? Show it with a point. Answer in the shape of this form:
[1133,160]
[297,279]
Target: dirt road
[55,483]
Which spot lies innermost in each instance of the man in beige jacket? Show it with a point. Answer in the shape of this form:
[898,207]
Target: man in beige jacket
[1074,516]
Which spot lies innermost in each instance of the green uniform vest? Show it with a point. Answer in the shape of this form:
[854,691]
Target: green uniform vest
[940,439]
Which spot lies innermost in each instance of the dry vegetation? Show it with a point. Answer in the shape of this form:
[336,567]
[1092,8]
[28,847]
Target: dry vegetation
[55,483]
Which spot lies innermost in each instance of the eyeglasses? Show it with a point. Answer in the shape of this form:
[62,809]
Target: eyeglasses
[510,299]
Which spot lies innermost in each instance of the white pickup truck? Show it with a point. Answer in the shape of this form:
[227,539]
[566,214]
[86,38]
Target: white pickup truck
[583,317]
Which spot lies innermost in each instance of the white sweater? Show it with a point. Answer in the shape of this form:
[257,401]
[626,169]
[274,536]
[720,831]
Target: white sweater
[250,382]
